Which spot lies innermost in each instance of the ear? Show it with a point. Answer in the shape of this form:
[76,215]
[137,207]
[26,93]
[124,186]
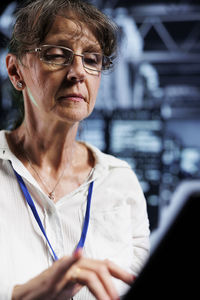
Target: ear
[14,71]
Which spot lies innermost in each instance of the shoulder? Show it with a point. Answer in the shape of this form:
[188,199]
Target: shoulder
[106,160]
[114,170]
[114,162]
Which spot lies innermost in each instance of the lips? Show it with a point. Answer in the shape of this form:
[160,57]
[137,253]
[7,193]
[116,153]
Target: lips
[72,97]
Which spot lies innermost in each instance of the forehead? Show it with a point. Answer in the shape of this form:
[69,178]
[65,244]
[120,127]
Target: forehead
[71,30]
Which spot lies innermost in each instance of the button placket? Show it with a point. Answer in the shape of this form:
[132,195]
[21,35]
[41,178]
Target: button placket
[54,231]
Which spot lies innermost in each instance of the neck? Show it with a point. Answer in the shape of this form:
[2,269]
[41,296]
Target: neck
[57,162]
[47,148]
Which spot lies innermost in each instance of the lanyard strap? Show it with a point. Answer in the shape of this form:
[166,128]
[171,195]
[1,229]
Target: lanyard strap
[37,218]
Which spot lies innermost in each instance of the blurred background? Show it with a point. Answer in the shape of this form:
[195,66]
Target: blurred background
[148,107]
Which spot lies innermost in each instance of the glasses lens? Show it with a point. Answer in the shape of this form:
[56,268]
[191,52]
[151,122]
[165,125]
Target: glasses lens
[62,56]
[56,55]
[92,61]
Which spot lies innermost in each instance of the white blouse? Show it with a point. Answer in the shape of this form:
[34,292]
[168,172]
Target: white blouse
[118,228]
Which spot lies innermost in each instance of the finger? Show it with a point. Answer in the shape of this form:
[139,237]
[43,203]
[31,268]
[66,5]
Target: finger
[69,291]
[112,268]
[78,253]
[46,284]
[119,273]
[107,281]
[94,284]
[62,265]
[99,268]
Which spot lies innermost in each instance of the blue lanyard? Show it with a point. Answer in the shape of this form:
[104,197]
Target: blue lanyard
[35,213]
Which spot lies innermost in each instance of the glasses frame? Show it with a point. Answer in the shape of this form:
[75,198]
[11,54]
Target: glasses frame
[39,51]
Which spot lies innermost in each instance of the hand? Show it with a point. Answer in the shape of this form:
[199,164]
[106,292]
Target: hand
[68,275]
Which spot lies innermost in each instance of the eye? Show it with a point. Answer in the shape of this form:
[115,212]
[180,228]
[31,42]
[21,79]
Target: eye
[53,54]
[92,59]
[56,55]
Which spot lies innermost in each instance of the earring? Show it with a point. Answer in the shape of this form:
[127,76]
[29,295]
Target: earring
[19,85]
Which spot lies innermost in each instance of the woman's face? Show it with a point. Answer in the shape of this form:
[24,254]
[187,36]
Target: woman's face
[62,93]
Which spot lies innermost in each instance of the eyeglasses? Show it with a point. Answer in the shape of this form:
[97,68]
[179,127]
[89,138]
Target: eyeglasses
[62,56]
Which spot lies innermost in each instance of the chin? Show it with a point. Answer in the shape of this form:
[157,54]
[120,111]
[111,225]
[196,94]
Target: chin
[73,118]
[73,115]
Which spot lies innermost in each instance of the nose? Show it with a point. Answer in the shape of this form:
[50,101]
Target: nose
[76,71]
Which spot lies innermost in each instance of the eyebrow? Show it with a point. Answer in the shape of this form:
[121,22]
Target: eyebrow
[92,48]
[66,43]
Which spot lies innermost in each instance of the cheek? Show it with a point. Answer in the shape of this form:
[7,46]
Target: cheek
[40,87]
[94,88]
[37,78]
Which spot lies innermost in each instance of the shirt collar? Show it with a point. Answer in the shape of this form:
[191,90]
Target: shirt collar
[5,152]
[103,162]
[7,155]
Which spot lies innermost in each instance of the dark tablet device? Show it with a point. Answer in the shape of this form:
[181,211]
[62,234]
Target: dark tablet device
[172,271]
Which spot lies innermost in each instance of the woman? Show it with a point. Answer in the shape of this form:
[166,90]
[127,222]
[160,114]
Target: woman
[73,220]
